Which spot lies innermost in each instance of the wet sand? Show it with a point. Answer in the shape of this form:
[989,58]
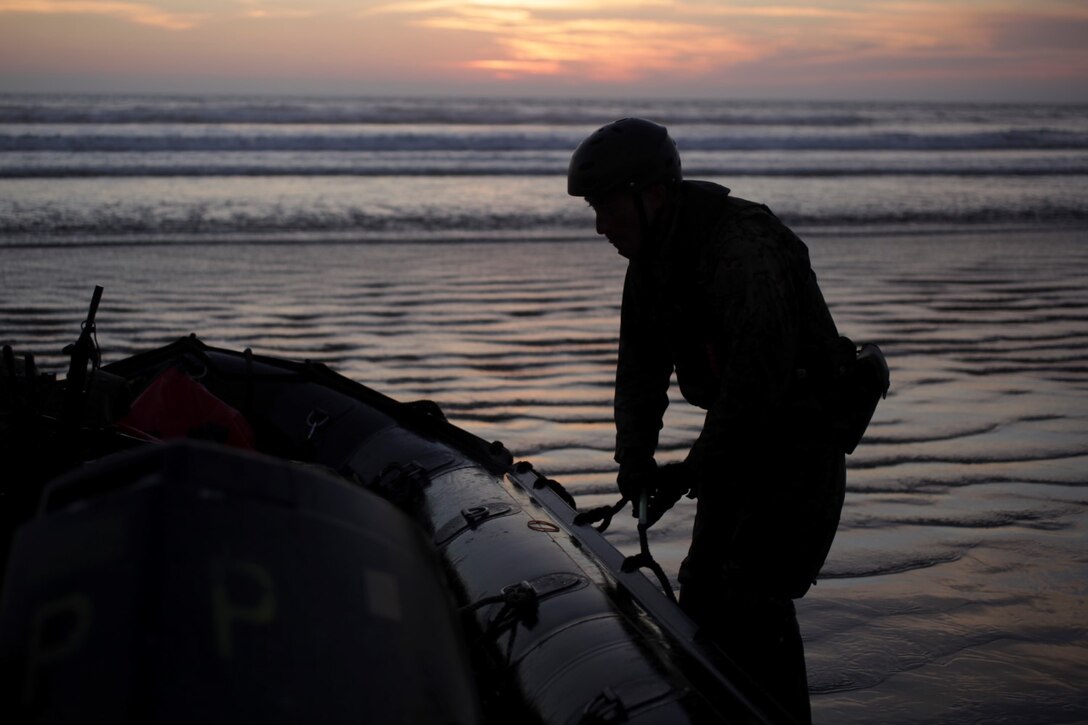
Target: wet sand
[955,591]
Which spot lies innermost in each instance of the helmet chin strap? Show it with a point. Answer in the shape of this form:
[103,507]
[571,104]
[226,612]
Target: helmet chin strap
[649,240]
[643,221]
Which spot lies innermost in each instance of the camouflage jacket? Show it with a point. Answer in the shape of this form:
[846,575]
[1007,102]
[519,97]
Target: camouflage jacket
[728,300]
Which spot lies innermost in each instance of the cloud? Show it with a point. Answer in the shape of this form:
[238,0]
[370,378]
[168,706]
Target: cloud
[261,10]
[738,46]
[138,13]
[581,7]
[1025,31]
[628,40]
[542,37]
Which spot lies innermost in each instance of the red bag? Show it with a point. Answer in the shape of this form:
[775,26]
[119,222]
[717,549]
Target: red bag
[176,406]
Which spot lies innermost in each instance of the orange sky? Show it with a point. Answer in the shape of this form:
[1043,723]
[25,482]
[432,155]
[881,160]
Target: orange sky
[915,49]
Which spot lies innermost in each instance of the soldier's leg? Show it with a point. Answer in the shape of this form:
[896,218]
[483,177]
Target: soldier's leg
[760,635]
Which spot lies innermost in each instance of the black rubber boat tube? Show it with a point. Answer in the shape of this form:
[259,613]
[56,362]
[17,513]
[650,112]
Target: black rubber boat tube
[559,632]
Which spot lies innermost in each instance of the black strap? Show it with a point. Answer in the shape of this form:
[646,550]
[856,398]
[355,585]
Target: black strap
[644,560]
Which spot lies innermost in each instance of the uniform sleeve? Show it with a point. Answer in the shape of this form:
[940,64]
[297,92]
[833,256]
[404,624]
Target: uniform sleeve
[642,377]
[756,311]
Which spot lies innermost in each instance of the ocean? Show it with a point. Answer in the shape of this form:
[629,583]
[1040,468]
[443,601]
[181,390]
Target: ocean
[426,247]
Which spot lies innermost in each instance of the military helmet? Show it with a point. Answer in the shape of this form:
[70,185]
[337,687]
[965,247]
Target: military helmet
[630,152]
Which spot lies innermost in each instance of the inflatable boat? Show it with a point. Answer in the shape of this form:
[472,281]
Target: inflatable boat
[239,538]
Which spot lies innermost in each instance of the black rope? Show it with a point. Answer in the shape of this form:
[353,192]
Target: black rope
[641,560]
[601,513]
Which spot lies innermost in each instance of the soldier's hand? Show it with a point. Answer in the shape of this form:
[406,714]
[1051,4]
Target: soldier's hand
[670,482]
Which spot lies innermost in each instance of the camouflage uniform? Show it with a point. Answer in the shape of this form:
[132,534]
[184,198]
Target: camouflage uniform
[728,299]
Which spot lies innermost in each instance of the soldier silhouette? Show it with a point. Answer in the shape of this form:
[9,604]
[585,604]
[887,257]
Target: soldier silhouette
[721,292]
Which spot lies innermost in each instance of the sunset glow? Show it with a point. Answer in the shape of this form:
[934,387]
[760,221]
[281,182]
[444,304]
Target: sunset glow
[138,13]
[910,49]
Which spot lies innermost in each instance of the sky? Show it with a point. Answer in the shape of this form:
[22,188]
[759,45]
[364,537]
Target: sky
[976,50]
